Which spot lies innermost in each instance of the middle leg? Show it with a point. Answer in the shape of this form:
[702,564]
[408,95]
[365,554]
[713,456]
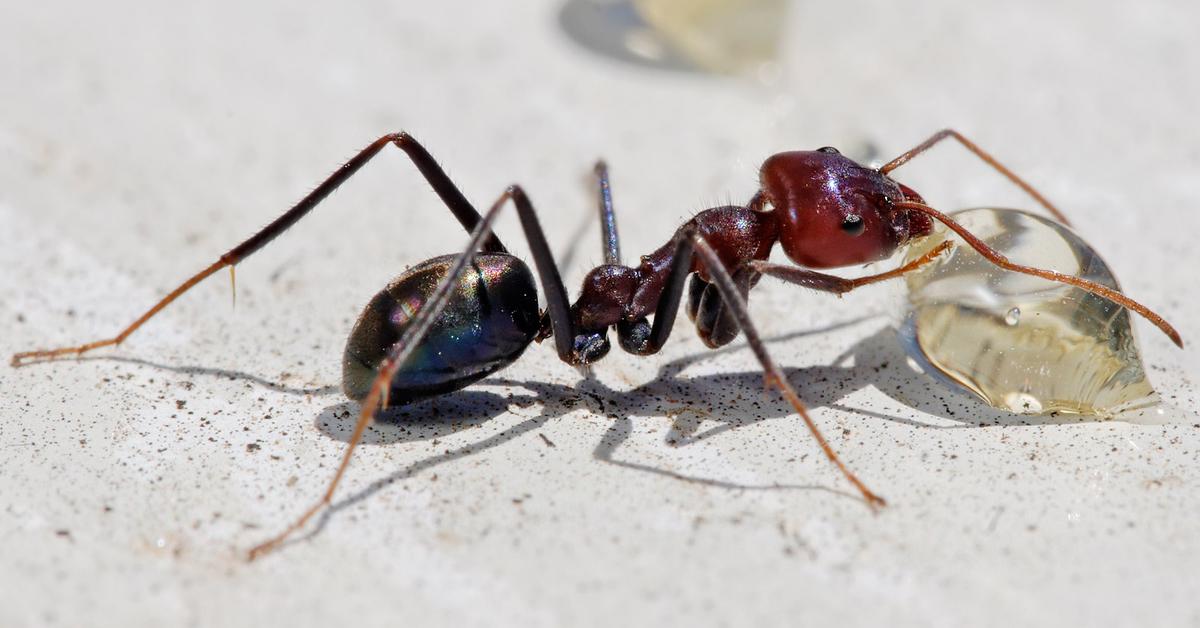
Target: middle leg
[773,374]
[608,218]
[688,244]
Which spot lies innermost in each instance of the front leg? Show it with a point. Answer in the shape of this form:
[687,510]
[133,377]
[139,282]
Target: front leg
[841,285]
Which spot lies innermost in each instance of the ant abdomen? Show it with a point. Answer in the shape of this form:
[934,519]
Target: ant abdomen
[489,320]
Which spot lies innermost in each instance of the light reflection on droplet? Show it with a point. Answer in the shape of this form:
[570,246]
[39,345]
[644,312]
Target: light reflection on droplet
[1024,344]
[914,365]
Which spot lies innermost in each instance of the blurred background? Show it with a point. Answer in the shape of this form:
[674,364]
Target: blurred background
[139,140]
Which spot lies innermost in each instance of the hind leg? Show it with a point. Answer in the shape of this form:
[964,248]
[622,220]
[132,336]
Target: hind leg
[434,175]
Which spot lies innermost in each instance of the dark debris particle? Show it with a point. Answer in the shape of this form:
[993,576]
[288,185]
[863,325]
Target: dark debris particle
[253,447]
[549,443]
[179,404]
[64,533]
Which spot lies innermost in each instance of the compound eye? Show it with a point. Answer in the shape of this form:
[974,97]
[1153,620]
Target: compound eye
[828,150]
[853,224]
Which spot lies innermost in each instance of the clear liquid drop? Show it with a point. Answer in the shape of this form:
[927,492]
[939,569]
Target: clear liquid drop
[722,36]
[1161,414]
[1073,352]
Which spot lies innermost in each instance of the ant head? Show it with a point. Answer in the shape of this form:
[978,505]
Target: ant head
[834,212]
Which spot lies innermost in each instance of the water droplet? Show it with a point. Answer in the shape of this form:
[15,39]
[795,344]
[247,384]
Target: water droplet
[1162,414]
[1071,354]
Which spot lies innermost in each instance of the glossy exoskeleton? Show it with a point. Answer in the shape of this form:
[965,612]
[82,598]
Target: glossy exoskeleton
[490,319]
[454,319]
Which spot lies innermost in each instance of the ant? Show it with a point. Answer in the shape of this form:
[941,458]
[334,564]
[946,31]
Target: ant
[454,319]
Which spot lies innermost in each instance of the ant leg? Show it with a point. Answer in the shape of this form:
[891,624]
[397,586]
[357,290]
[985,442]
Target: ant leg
[608,219]
[636,337]
[420,326]
[714,322]
[667,307]
[558,306]
[609,241]
[987,158]
[841,285]
[774,376]
[639,337]
[458,205]
[1000,260]
[704,303]
[687,244]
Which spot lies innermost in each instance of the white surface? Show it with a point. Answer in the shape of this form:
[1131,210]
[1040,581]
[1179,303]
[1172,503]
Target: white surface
[140,140]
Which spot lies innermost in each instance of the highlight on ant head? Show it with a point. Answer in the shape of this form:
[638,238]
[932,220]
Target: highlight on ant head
[833,211]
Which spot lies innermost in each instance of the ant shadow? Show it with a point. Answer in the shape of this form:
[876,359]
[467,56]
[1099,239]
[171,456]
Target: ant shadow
[877,361]
[687,401]
[205,371]
[607,29]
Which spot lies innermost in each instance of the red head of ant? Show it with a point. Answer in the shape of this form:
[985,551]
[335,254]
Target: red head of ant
[834,212]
